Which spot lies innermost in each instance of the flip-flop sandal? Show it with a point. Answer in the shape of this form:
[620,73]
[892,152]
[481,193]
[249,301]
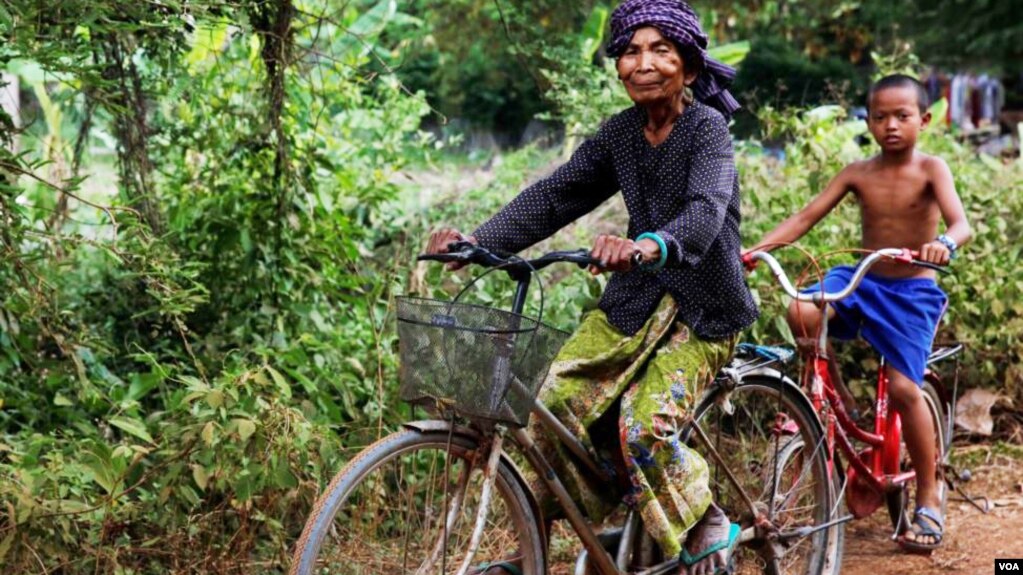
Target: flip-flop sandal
[922,528]
[733,536]
[508,566]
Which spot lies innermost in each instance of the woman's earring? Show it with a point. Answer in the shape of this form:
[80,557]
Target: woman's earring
[687,95]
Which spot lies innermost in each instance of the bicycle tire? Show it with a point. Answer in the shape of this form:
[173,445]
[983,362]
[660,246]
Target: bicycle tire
[405,457]
[753,401]
[899,502]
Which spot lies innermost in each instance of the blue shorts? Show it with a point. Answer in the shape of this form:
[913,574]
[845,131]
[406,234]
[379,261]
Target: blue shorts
[898,317]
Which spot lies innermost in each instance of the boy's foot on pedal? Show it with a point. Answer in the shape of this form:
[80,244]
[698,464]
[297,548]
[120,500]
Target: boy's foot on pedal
[926,532]
[708,548]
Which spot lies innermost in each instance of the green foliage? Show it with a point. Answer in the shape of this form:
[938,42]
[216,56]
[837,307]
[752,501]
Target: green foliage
[487,76]
[777,75]
[179,343]
[956,33]
[220,473]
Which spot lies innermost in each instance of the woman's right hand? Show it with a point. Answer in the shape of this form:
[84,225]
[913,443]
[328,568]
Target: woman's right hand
[442,238]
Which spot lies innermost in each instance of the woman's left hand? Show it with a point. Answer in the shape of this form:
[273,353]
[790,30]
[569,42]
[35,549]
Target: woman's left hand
[615,253]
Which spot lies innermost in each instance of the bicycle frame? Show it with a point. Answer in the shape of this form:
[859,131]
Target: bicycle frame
[881,472]
[596,551]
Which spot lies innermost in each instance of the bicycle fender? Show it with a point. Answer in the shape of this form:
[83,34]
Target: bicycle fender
[437,425]
[935,380]
[769,372]
[786,381]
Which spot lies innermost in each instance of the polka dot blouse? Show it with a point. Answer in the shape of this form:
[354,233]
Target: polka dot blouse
[686,190]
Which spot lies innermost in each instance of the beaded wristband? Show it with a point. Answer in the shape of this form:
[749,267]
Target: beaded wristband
[660,243]
[948,243]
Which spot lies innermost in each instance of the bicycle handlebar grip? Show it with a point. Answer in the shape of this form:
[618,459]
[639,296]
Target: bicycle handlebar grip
[457,252]
[748,261]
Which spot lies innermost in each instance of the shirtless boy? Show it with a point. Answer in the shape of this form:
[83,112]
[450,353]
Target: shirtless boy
[902,195]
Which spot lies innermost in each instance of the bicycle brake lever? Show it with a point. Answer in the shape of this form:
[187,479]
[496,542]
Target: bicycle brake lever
[909,257]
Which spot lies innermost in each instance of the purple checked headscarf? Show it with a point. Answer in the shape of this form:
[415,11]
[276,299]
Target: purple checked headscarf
[680,24]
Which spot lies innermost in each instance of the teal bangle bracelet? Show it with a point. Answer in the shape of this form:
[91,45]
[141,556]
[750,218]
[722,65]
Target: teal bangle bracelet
[660,243]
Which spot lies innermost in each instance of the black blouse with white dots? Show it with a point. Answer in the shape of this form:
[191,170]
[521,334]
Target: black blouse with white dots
[686,190]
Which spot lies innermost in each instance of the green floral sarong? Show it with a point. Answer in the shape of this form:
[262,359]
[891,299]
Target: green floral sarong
[657,374]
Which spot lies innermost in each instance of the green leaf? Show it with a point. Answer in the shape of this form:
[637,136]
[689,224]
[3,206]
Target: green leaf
[61,401]
[5,545]
[102,471]
[939,109]
[280,382]
[215,398]
[593,32]
[207,433]
[363,32]
[730,54]
[142,384]
[246,427]
[200,476]
[783,328]
[132,426]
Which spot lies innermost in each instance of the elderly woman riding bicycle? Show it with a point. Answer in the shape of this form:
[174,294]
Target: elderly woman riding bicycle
[664,328]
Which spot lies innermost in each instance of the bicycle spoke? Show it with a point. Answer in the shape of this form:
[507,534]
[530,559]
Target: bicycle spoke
[415,514]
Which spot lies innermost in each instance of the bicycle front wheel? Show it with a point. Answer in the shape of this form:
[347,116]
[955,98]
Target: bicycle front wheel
[407,505]
[769,438]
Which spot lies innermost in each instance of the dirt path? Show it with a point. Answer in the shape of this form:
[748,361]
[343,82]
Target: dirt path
[973,540]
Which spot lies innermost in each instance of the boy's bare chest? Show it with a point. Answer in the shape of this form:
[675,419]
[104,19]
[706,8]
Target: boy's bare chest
[894,195]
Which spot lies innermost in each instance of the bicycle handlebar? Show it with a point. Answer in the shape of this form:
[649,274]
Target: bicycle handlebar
[896,254]
[466,252]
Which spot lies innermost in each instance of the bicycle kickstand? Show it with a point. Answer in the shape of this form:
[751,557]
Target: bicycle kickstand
[954,479]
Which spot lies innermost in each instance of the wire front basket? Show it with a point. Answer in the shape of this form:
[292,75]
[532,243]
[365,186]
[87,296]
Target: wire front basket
[481,362]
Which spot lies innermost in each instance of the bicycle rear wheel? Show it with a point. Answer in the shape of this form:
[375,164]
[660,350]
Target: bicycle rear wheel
[901,503]
[770,439]
[384,513]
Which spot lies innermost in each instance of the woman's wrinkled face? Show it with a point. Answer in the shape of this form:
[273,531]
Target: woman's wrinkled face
[652,68]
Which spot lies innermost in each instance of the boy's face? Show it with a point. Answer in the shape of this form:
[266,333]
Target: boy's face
[895,120]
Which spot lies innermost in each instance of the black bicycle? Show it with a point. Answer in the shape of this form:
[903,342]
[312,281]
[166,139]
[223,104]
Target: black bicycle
[446,495]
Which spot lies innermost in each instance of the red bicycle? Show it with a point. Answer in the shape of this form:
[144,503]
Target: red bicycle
[879,472]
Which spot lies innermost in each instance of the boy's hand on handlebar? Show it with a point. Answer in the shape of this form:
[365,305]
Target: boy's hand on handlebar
[442,238]
[934,252]
[747,260]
